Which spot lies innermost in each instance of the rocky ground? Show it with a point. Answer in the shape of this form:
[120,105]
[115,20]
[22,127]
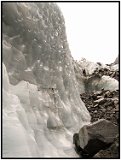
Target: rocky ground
[107,72]
[104,104]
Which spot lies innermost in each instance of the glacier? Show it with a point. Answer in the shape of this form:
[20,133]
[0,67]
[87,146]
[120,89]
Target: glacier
[42,108]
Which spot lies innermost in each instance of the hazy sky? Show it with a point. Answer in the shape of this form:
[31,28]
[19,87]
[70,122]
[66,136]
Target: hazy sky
[92,30]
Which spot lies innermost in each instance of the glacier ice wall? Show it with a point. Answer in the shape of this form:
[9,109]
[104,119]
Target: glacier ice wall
[41,102]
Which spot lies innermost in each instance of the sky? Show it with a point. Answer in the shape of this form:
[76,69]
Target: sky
[92,30]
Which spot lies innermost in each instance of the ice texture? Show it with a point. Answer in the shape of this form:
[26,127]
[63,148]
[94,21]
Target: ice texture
[41,100]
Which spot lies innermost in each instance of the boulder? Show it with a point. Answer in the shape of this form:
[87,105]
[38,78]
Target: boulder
[93,146]
[100,135]
[102,129]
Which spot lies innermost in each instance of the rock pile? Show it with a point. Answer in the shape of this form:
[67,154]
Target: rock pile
[102,104]
[107,72]
[101,97]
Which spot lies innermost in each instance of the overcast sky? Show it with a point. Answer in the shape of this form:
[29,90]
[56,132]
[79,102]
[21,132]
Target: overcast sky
[92,30]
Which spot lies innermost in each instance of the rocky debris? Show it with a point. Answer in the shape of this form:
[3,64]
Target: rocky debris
[94,76]
[89,66]
[101,97]
[105,71]
[100,101]
[90,69]
[102,104]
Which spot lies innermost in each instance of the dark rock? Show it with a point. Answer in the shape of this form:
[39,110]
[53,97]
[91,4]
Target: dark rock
[99,63]
[107,72]
[101,136]
[103,130]
[107,94]
[93,147]
[76,140]
[84,72]
[96,140]
[96,105]
[100,101]
[77,148]
[111,152]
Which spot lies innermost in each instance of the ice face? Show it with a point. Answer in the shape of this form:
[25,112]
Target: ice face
[43,95]
[17,134]
[33,116]
[5,79]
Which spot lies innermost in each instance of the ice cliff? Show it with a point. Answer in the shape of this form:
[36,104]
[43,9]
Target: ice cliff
[41,100]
